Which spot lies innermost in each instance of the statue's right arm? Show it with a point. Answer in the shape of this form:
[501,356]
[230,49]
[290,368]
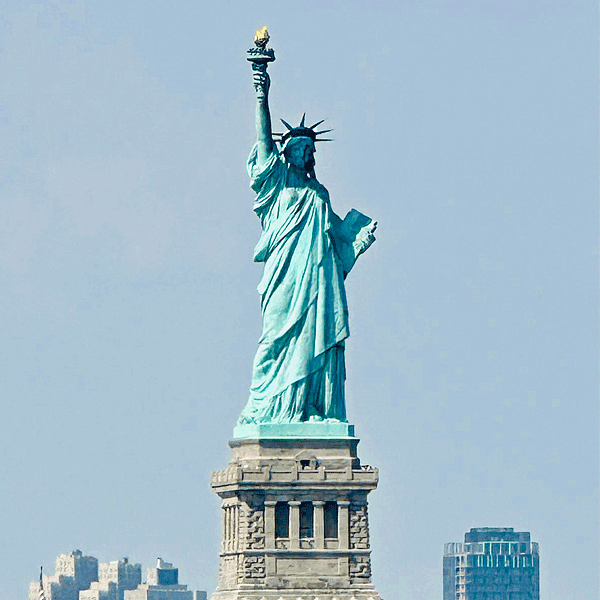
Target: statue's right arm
[264,135]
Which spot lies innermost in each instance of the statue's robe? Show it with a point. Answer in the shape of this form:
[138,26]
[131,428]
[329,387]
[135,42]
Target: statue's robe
[299,369]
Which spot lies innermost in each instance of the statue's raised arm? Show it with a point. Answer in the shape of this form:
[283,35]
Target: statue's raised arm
[264,136]
[260,58]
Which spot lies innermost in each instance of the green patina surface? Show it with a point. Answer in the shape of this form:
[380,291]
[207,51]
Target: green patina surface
[299,372]
[293,430]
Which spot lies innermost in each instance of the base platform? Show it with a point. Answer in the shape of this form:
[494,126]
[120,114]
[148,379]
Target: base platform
[311,430]
[300,594]
[295,519]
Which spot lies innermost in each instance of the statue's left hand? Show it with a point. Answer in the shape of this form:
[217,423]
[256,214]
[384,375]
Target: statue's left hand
[369,238]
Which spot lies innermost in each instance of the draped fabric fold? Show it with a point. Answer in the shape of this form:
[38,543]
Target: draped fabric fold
[298,372]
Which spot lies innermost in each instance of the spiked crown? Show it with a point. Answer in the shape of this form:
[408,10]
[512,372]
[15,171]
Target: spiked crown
[302,131]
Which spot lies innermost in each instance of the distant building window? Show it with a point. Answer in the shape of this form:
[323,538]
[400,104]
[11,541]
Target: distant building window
[331,520]
[282,520]
[167,576]
[306,520]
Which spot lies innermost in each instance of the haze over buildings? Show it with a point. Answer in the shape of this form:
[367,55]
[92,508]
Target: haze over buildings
[80,577]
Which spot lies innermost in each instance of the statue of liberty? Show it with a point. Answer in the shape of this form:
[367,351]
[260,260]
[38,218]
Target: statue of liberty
[307,250]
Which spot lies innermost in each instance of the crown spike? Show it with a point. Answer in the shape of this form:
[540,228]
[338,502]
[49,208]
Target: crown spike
[287,125]
[316,124]
[302,122]
[324,140]
[323,131]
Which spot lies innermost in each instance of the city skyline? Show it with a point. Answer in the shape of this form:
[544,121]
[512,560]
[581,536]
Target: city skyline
[82,577]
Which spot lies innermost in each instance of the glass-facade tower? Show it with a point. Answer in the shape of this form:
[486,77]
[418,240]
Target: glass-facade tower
[493,563]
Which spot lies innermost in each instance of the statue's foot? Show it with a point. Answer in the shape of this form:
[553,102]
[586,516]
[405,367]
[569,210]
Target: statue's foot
[315,419]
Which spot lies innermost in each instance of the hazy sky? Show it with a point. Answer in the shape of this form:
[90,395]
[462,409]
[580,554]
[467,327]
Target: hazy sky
[129,314]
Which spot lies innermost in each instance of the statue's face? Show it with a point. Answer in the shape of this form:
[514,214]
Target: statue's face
[301,153]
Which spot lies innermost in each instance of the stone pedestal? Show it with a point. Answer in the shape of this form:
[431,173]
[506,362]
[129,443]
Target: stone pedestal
[295,523]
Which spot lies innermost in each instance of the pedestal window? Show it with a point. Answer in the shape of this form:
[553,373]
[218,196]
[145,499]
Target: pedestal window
[282,520]
[306,520]
[331,520]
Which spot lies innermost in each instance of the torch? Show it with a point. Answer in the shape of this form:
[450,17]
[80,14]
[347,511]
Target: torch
[260,56]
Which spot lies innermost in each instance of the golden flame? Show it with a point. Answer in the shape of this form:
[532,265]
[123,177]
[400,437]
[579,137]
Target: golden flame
[262,37]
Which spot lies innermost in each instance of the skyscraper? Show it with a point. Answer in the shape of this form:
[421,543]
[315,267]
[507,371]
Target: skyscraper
[493,563]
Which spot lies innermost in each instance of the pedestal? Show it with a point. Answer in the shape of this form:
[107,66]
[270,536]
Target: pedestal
[295,520]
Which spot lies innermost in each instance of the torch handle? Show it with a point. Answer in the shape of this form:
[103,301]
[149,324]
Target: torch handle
[260,67]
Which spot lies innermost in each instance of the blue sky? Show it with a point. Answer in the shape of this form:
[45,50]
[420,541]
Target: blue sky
[129,312]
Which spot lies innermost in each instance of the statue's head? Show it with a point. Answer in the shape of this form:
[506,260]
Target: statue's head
[299,144]
[300,152]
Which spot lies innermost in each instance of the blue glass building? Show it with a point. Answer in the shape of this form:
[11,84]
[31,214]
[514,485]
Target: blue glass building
[493,563]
